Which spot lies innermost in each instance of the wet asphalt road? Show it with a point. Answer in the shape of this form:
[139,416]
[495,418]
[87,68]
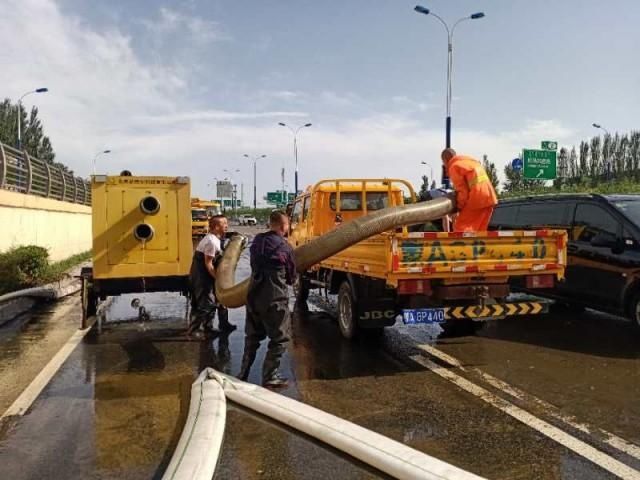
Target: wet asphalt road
[116,407]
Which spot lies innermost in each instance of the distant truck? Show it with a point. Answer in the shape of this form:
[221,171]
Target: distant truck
[201,211]
[418,272]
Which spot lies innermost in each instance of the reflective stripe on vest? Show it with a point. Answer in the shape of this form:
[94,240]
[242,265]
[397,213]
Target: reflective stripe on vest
[479,179]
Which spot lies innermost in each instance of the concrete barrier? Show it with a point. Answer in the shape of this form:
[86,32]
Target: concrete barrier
[63,228]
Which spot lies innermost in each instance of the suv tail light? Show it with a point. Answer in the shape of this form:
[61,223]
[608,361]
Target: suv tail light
[413,287]
[540,281]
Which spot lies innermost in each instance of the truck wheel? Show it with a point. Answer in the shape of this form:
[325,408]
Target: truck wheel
[89,302]
[301,291]
[347,311]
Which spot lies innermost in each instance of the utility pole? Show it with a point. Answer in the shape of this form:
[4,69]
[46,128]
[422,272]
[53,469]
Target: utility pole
[295,147]
[450,32]
[255,189]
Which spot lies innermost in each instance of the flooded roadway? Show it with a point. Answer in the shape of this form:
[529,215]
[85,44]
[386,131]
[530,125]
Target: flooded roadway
[116,407]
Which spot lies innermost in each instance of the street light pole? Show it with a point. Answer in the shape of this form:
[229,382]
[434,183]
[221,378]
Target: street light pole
[430,168]
[449,96]
[295,147]
[600,127]
[255,189]
[96,158]
[37,90]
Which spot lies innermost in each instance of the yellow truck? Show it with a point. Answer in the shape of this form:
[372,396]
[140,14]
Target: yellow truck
[201,211]
[418,272]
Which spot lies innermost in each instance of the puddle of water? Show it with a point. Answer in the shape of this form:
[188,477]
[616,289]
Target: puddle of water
[159,306]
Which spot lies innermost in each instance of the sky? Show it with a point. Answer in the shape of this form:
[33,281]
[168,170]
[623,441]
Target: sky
[189,88]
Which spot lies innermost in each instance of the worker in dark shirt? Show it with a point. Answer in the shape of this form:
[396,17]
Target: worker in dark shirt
[272,269]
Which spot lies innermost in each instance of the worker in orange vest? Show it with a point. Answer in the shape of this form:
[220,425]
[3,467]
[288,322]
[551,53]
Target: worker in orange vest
[475,195]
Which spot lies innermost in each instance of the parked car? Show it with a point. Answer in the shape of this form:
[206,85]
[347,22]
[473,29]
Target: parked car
[603,270]
[249,220]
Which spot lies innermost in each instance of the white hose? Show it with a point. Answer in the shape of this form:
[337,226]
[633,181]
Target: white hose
[386,455]
[196,455]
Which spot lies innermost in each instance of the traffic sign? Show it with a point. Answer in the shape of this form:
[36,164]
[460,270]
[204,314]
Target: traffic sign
[549,145]
[279,197]
[516,164]
[539,164]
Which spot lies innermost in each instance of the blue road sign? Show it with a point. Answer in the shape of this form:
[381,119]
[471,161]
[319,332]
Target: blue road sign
[517,164]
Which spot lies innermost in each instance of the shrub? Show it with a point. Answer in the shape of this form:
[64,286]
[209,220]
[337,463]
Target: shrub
[22,267]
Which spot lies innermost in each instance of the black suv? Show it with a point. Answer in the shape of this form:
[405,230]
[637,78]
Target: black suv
[603,268]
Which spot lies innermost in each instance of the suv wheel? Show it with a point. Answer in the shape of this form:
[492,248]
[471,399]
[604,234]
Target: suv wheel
[634,310]
[346,311]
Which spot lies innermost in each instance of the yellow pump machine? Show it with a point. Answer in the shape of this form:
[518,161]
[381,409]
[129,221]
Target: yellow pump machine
[141,238]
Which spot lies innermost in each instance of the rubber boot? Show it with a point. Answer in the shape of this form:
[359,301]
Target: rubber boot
[270,375]
[223,321]
[245,367]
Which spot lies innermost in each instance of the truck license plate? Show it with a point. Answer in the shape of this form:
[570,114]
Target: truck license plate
[423,315]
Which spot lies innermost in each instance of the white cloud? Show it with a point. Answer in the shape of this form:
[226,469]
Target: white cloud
[210,116]
[171,21]
[536,130]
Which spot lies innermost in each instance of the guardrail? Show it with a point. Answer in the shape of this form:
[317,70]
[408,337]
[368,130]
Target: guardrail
[23,173]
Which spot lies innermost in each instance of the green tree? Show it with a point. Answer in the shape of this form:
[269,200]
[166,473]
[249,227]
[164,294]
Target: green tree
[595,159]
[573,164]
[513,179]
[562,168]
[492,172]
[583,160]
[424,188]
[34,141]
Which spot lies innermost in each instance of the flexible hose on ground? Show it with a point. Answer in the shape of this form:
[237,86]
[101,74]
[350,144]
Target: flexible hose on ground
[234,295]
[196,456]
[382,453]
[41,292]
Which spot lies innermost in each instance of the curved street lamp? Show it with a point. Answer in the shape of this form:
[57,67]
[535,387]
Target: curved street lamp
[597,125]
[37,90]
[255,192]
[450,32]
[104,152]
[295,146]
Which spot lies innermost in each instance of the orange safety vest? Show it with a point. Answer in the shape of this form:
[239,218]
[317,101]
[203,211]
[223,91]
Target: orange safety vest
[472,184]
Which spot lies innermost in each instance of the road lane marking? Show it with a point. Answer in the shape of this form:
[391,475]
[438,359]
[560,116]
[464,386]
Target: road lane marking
[602,435]
[38,384]
[583,449]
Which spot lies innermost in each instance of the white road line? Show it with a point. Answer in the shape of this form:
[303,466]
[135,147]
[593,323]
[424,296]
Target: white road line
[602,435]
[29,394]
[578,446]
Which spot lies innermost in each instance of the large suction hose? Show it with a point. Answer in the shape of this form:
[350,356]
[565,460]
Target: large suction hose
[316,250]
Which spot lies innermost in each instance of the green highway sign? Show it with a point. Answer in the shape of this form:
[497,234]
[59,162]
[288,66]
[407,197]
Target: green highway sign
[539,164]
[548,145]
[278,197]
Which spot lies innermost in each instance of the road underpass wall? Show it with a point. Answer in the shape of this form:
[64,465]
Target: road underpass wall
[63,228]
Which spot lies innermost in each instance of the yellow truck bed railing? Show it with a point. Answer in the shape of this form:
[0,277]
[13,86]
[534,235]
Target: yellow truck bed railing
[455,255]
